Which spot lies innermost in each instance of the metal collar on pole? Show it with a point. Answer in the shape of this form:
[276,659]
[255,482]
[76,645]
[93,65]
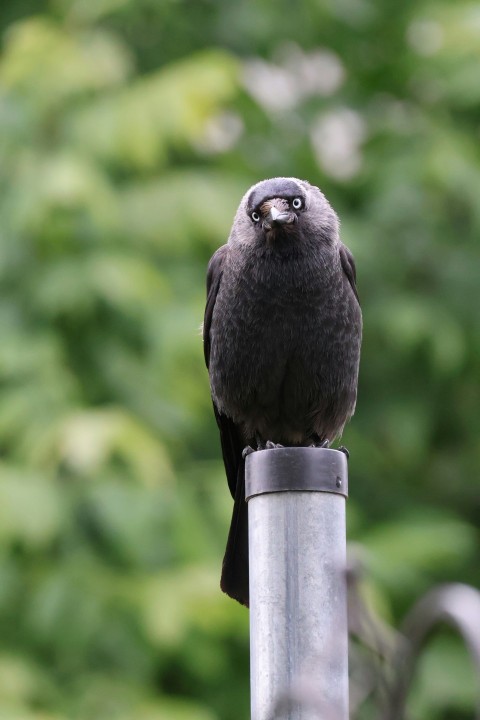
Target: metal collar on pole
[296,469]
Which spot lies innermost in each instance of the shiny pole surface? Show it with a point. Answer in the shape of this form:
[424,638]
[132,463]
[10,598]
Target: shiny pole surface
[298,604]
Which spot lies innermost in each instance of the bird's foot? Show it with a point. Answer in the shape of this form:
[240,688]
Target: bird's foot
[269,445]
[324,444]
[344,450]
[259,441]
[247,451]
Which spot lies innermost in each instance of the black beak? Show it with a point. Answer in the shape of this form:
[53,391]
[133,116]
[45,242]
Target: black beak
[275,217]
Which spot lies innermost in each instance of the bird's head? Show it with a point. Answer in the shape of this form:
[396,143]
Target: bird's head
[280,210]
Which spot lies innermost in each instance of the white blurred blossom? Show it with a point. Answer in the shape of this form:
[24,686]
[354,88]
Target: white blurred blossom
[425,36]
[221,133]
[318,73]
[272,86]
[295,76]
[337,137]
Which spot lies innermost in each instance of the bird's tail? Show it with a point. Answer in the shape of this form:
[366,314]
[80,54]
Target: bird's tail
[234,580]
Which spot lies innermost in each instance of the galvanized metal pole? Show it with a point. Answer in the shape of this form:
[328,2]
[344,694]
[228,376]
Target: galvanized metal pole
[298,605]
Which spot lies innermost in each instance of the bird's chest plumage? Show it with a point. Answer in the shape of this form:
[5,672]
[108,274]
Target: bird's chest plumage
[277,326]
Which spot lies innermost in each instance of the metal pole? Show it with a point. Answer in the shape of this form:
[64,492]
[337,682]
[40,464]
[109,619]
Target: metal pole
[298,605]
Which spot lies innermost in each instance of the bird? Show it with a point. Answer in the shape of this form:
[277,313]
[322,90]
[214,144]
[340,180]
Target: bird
[282,333]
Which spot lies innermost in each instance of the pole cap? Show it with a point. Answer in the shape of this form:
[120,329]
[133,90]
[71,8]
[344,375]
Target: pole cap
[296,469]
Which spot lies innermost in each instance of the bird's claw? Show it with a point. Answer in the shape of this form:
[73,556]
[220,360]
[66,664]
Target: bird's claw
[324,444]
[248,450]
[344,450]
[269,445]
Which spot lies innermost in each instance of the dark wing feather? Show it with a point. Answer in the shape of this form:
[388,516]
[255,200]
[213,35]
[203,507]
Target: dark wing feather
[232,444]
[348,267]
[214,278]
[235,563]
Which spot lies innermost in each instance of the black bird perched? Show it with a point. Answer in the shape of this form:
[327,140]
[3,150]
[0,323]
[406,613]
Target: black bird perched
[282,334]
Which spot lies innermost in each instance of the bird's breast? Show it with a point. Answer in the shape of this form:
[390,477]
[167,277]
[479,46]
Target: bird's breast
[276,326]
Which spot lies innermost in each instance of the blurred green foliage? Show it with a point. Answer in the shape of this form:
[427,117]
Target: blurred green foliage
[129,132]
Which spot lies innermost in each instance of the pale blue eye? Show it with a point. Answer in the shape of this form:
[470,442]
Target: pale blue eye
[297,203]
[255,217]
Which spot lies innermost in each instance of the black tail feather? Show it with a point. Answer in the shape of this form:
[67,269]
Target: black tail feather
[234,580]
